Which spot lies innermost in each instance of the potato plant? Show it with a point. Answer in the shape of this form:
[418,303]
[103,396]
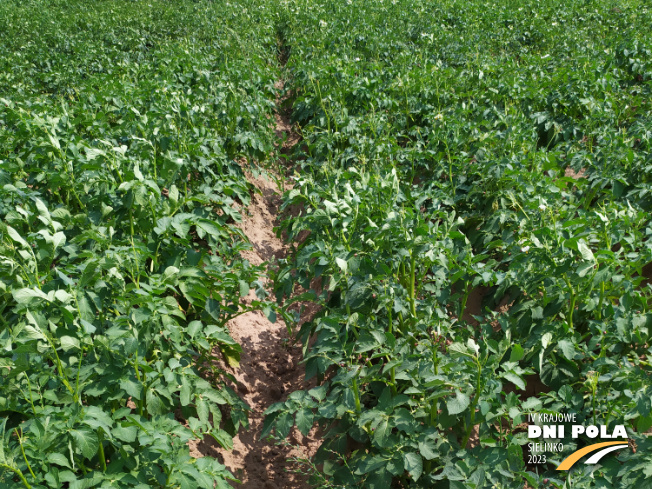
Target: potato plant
[472,186]
[120,127]
[455,151]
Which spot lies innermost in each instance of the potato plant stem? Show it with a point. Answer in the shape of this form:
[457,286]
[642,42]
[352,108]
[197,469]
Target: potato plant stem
[433,414]
[134,278]
[413,306]
[572,303]
[31,399]
[392,371]
[599,310]
[348,313]
[465,299]
[79,366]
[22,450]
[474,403]
[356,395]
[100,449]
[435,361]
[136,367]
[18,473]
[60,371]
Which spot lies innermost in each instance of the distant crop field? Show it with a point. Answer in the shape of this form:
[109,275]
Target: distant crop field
[463,194]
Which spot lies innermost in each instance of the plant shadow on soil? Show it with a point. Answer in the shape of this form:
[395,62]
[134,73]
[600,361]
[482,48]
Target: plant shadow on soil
[270,363]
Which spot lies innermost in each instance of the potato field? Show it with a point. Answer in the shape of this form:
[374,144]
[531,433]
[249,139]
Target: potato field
[462,191]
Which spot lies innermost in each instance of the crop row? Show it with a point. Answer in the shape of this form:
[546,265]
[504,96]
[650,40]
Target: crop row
[475,183]
[120,127]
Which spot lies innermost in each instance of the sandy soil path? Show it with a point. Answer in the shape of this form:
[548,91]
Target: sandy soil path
[270,365]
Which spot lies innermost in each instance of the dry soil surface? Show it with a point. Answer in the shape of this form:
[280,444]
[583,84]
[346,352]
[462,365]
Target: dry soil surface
[270,364]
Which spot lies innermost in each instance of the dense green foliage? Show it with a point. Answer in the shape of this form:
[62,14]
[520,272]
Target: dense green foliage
[120,124]
[451,151]
[438,143]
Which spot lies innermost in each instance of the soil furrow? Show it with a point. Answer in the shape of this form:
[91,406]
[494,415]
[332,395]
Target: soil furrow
[270,365]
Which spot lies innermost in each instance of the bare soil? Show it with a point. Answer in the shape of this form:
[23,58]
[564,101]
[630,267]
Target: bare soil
[569,172]
[270,363]
[283,127]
